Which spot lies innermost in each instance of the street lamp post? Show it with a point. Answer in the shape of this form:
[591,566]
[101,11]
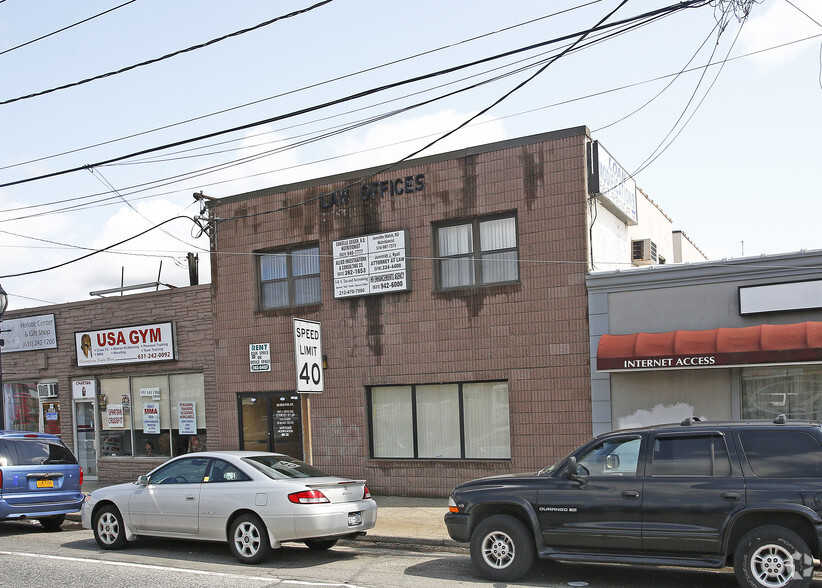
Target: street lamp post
[4,302]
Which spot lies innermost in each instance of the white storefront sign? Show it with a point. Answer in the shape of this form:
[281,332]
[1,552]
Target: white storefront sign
[187,413]
[83,389]
[372,264]
[29,333]
[308,348]
[151,418]
[259,357]
[137,344]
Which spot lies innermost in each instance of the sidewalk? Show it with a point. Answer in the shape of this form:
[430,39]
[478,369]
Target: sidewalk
[410,521]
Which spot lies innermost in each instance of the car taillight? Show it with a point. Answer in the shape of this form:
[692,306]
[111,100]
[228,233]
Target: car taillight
[366,493]
[308,497]
[81,477]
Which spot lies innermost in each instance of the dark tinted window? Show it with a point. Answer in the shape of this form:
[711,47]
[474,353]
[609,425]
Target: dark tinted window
[690,456]
[17,452]
[183,471]
[782,454]
[222,471]
[280,467]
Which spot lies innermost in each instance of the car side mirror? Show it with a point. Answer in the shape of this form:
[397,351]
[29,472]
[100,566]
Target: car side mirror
[142,480]
[612,462]
[572,473]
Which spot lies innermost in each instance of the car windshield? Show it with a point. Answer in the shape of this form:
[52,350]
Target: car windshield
[280,467]
[16,452]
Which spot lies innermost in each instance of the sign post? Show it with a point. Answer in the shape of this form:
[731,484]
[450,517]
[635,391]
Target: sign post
[308,348]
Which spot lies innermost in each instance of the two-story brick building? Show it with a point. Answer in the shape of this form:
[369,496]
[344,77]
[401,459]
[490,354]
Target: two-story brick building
[449,292]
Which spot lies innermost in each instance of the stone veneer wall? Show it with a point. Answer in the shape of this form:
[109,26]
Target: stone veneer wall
[189,308]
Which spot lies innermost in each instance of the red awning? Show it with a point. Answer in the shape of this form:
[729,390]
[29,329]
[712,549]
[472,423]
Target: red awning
[772,344]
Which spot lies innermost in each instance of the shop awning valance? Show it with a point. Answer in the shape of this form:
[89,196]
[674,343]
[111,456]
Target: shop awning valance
[760,344]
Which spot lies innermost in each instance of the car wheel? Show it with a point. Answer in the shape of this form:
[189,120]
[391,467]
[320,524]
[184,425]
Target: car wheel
[502,548]
[248,539]
[773,557]
[109,529]
[320,544]
[52,523]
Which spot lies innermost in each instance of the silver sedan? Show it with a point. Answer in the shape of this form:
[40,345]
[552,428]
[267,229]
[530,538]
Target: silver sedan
[253,500]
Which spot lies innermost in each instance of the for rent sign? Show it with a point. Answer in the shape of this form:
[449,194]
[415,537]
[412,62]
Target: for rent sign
[125,345]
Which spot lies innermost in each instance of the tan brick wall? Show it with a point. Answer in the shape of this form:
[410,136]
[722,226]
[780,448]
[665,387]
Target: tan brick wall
[189,308]
[533,334]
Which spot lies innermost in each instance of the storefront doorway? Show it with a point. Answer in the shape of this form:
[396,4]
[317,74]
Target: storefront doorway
[86,437]
[272,422]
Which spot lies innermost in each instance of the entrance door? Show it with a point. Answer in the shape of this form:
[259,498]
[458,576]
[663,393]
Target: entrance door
[272,422]
[86,437]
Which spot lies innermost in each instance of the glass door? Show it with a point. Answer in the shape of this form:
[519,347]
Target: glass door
[272,422]
[86,437]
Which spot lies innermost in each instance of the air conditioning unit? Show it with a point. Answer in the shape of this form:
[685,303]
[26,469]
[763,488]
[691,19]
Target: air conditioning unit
[643,252]
[47,390]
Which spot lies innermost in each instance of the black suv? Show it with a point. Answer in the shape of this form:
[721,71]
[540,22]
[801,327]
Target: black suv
[698,494]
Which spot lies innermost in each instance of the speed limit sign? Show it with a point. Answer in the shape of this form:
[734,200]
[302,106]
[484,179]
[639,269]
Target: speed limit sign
[308,348]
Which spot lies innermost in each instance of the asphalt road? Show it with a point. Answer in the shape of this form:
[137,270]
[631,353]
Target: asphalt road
[70,557]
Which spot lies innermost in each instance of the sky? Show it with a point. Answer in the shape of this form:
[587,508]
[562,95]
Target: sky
[720,129]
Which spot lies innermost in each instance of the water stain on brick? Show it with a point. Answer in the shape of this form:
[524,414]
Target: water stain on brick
[374,325]
[468,165]
[533,173]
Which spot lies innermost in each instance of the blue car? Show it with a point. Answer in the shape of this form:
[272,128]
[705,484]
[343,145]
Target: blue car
[39,478]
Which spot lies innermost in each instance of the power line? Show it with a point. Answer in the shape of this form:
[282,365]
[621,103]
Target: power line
[156,184]
[361,94]
[164,57]
[9,50]
[96,251]
[308,87]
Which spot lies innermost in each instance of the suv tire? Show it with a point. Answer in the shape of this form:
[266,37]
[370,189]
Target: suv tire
[502,548]
[773,557]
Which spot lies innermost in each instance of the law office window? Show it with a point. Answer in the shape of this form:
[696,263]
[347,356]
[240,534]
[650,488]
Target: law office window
[441,421]
[290,277]
[477,252]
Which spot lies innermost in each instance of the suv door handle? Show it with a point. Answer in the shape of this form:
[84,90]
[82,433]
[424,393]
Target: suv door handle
[630,494]
[730,496]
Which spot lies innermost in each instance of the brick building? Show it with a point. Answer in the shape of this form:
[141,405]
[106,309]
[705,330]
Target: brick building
[123,380]
[450,295]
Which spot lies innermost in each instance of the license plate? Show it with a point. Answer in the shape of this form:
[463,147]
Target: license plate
[45,483]
[354,519]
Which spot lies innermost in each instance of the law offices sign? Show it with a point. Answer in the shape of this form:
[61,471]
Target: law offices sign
[137,344]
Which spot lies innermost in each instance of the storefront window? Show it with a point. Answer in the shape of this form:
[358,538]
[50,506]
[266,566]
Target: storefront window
[793,391]
[153,416]
[22,407]
[441,421]
[115,416]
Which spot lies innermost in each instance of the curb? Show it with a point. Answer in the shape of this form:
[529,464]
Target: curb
[368,538]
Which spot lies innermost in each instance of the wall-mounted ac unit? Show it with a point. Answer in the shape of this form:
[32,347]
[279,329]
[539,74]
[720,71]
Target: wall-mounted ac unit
[47,390]
[643,252]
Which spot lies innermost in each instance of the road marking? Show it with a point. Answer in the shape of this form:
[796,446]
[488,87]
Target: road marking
[275,581]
